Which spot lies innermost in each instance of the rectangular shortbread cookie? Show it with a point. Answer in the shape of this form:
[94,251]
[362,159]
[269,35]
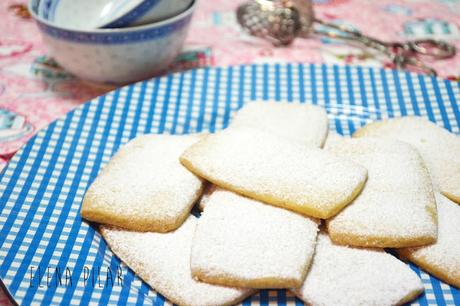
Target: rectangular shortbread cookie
[442,259]
[162,260]
[277,171]
[397,207]
[144,187]
[245,243]
[438,147]
[341,275]
[305,124]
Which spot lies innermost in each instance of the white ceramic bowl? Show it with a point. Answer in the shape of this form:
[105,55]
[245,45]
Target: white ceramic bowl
[115,56]
[94,14]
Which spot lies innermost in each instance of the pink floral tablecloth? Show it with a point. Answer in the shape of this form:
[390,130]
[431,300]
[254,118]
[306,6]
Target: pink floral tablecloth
[34,91]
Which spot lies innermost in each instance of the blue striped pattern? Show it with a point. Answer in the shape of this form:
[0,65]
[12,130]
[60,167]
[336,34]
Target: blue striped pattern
[112,38]
[42,187]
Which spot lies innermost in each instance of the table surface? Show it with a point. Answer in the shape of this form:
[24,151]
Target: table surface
[34,90]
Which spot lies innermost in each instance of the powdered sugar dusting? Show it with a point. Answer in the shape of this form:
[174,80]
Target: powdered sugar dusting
[303,123]
[443,257]
[341,275]
[144,186]
[277,171]
[333,139]
[208,190]
[396,207]
[163,261]
[243,242]
[439,148]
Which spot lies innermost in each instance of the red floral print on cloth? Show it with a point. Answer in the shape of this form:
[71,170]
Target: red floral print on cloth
[214,39]
[13,48]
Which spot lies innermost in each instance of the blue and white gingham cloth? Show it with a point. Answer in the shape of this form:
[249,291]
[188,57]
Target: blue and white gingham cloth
[42,188]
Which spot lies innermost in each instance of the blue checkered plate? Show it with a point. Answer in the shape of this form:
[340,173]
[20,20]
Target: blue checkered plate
[49,255]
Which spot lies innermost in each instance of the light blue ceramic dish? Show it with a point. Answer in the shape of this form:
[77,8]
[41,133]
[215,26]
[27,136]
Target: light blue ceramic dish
[114,56]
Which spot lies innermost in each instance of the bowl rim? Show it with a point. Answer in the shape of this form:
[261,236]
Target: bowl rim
[109,31]
[132,14]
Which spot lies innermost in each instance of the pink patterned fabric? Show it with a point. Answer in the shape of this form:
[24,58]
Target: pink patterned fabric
[215,29]
[34,91]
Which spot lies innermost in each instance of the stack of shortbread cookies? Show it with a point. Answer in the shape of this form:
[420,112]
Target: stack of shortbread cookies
[285,205]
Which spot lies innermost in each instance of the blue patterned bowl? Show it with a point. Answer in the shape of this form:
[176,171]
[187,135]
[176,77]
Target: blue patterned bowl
[114,56]
[90,14]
